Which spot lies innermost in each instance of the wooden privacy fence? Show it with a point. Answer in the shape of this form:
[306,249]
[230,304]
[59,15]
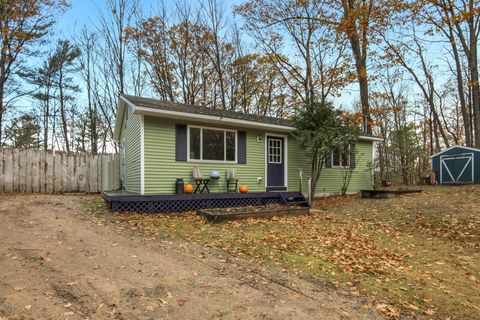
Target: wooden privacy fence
[32,170]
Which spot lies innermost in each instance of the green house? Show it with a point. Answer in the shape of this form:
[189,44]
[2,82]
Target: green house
[161,142]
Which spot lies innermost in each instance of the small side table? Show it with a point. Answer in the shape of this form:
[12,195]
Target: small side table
[202,184]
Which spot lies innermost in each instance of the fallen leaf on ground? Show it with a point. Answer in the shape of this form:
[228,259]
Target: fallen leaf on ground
[387,310]
[430,312]
[181,302]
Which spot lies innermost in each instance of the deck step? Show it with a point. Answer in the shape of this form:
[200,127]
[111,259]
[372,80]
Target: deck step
[294,200]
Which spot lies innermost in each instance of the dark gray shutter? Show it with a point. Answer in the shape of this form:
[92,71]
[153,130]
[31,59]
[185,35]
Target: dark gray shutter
[241,147]
[181,142]
[328,161]
[352,156]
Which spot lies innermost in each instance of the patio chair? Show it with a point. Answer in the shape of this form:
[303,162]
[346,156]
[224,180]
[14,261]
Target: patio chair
[200,181]
[232,180]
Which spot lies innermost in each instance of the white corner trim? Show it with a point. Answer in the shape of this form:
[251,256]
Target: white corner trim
[142,154]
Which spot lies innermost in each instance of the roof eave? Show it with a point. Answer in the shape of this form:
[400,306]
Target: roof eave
[212,119]
[118,120]
[455,146]
[369,138]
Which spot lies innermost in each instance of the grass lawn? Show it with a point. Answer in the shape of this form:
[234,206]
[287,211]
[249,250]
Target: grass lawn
[414,255]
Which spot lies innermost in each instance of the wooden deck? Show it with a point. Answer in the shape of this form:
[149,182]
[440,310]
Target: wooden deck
[134,202]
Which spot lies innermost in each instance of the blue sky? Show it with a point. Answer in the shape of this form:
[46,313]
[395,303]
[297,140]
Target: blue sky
[86,13]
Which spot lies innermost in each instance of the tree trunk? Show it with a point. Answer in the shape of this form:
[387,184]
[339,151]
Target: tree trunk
[473,64]
[1,113]
[45,121]
[461,93]
[470,50]
[360,57]
[62,109]
[92,111]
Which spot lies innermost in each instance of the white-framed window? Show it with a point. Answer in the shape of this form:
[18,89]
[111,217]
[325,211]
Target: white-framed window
[341,159]
[212,144]
[274,150]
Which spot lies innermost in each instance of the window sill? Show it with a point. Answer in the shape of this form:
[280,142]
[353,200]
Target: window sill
[212,161]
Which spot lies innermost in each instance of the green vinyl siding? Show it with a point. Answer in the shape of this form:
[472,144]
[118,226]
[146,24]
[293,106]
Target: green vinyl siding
[130,166]
[330,180]
[162,170]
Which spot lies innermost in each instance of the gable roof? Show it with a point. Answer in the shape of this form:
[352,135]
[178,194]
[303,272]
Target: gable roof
[202,110]
[185,112]
[455,146]
[175,110]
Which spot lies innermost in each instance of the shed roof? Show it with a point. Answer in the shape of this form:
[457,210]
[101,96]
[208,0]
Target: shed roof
[452,147]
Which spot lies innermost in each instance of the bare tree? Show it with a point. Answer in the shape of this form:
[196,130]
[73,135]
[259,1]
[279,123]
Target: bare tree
[23,23]
[87,42]
[220,54]
[443,16]
[421,74]
[112,67]
[64,62]
[284,27]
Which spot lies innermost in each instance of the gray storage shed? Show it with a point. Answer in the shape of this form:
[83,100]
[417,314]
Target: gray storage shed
[457,165]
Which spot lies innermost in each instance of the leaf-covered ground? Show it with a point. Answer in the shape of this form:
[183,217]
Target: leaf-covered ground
[417,255]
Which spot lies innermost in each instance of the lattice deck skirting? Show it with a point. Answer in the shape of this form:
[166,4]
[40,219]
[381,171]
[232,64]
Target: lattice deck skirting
[123,201]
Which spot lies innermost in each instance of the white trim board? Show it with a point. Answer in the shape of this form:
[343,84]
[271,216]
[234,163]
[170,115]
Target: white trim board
[142,154]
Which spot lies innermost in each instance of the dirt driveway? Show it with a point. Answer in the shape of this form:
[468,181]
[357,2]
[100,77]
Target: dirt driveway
[59,262]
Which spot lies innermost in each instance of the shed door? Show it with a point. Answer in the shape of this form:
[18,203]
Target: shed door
[456,168]
[275,155]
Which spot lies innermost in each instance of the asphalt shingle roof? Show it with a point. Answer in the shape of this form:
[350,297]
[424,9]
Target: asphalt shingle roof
[201,110]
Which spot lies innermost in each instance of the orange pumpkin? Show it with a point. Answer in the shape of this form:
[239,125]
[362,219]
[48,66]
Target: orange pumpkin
[243,189]
[188,188]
